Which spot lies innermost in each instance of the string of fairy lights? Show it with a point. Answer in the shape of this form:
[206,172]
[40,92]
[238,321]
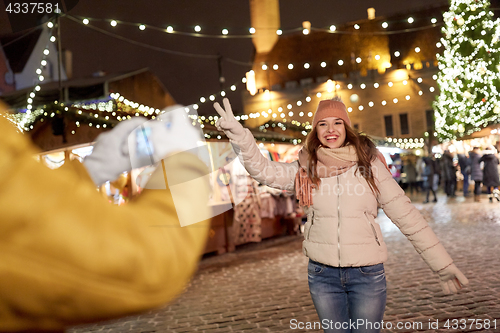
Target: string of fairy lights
[290,66]
[252,31]
[39,74]
[118,108]
[197,30]
[107,112]
[24,120]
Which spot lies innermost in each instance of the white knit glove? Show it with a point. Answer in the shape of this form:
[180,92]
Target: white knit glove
[138,142]
[110,155]
[451,279]
[227,123]
[169,133]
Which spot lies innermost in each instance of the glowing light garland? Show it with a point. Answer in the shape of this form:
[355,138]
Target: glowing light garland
[469,76]
[38,72]
[225,33]
[236,32]
[281,112]
[107,112]
[278,115]
[118,103]
[24,120]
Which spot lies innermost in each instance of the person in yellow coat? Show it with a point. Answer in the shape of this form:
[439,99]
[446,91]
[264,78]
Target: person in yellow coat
[69,257]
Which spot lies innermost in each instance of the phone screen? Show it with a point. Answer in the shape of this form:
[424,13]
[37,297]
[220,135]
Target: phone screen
[144,145]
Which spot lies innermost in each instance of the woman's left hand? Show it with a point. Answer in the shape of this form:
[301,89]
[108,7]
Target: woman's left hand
[451,279]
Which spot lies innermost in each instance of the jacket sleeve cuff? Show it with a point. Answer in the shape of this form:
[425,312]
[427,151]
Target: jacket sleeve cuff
[436,257]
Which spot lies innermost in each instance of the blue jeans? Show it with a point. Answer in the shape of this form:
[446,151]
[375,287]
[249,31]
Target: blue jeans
[348,299]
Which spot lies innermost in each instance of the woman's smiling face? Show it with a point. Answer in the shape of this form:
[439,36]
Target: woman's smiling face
[331,132]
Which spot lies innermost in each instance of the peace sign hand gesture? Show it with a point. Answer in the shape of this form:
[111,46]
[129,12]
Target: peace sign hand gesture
[227,123]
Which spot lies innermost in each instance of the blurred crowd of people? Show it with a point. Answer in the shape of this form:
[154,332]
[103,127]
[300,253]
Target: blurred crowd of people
[471,172]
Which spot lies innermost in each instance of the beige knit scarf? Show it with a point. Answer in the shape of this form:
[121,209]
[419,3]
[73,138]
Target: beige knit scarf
[331,162]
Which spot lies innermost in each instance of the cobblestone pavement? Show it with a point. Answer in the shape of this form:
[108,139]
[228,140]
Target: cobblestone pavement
[263,287]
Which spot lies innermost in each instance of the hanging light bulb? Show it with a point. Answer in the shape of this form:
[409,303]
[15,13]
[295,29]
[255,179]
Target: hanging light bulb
[306,27]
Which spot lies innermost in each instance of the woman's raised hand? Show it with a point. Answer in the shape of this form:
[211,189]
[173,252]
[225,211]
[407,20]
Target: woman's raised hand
[227,123]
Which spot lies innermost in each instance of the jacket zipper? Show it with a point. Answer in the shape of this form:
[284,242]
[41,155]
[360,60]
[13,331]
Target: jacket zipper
[373,230]
[338,216]
[312,222]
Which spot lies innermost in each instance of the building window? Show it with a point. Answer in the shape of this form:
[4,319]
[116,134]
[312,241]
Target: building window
[403,121]
[388,126]
[429,119]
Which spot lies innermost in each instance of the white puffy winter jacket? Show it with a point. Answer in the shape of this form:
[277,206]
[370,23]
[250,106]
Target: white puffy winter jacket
[340,229]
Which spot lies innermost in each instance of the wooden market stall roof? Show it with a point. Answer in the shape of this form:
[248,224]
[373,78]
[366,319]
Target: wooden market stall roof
[140,86]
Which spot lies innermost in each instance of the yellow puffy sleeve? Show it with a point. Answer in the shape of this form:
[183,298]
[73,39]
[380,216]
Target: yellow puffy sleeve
[67,256]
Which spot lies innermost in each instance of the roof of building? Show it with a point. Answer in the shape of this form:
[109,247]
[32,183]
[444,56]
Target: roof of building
[78,89]
[19,46]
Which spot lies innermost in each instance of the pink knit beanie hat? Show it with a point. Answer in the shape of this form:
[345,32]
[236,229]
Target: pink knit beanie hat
[331,108]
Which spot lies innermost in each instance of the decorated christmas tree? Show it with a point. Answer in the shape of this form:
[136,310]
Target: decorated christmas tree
[469,70]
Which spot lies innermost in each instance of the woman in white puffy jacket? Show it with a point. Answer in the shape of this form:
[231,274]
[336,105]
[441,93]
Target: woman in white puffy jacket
[340,179]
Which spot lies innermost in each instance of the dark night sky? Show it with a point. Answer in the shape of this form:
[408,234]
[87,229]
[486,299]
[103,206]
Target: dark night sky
[188,78]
